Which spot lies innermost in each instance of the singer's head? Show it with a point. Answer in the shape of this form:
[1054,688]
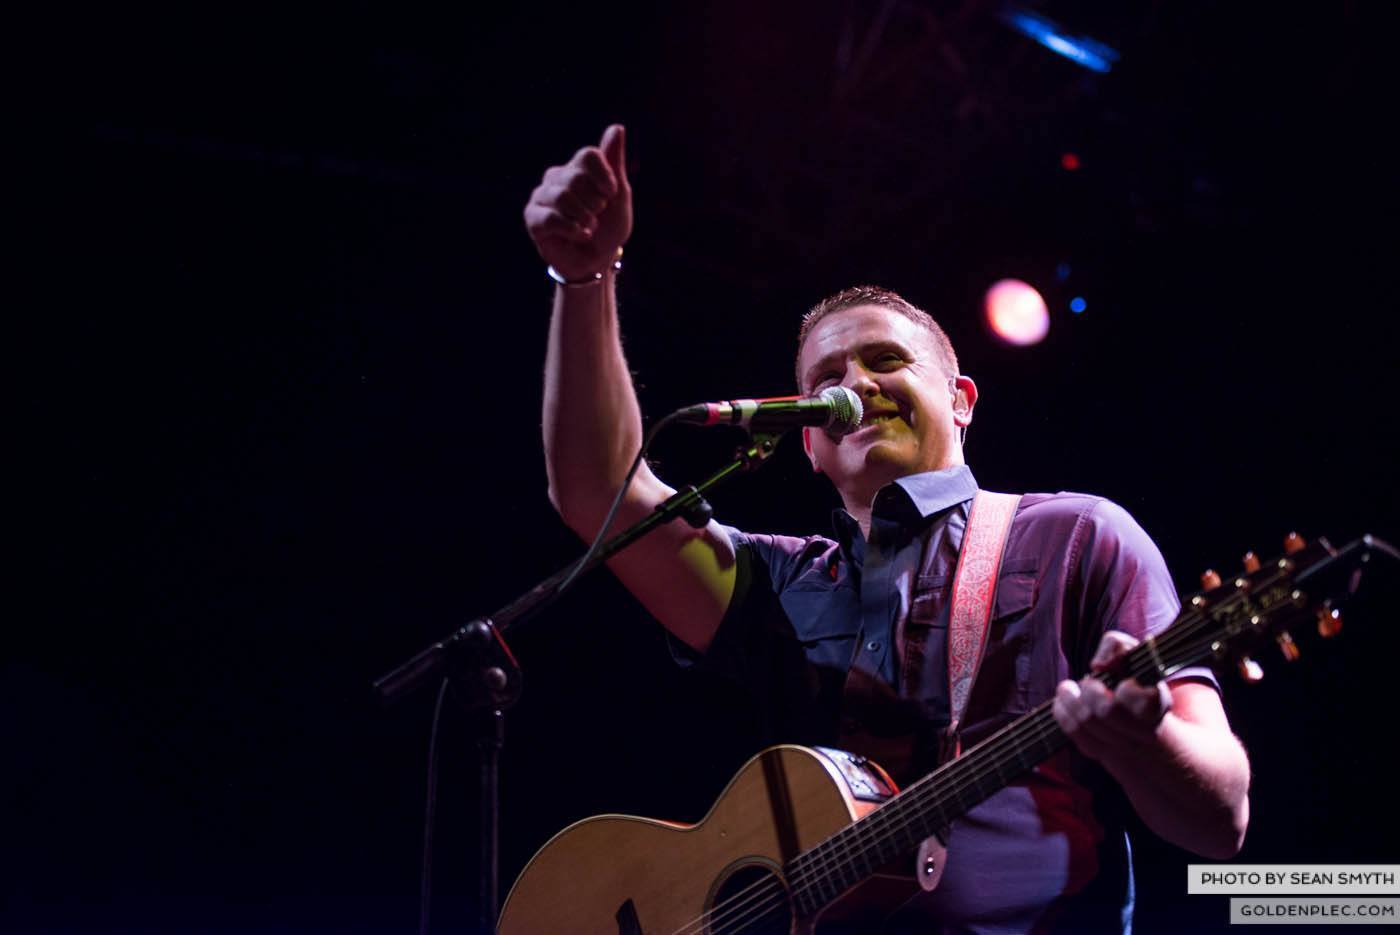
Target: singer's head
[900,363]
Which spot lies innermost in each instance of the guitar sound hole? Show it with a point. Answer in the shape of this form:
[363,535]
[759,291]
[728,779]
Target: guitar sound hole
[752,901]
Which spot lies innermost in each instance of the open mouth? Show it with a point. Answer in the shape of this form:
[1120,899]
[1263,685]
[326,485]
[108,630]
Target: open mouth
[875,418]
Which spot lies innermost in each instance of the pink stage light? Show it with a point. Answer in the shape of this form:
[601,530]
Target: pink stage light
[1016,312]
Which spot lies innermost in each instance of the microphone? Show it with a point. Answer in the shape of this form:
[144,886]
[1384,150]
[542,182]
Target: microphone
[836,409]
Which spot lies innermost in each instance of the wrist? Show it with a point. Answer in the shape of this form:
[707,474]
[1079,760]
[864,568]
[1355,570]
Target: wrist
[591,279]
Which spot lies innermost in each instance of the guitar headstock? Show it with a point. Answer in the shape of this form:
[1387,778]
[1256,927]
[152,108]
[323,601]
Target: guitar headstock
[1268,601]
[1231,619]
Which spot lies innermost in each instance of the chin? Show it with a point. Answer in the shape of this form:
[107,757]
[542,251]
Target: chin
[883,464]
[891,457]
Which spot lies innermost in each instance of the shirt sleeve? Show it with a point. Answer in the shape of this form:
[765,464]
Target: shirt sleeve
[1126,585]
[721,656]
[756,648]
[764,564]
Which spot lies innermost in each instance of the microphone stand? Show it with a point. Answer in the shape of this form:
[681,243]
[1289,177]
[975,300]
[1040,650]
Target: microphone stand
[486,678]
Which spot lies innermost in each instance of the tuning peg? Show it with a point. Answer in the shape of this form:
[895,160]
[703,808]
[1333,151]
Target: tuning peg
[1329,621]
[1210,580]
[1251,563]
[1250,670]
[1288,647]
[1293,543]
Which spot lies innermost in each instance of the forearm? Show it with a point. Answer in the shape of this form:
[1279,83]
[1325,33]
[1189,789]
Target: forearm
[592,421]
[1188,782]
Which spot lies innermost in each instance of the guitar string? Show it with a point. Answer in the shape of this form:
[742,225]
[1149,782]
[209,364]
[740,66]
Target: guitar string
[762,890]
[818,866]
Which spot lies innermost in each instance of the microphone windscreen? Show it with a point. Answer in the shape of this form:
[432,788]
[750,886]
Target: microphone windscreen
[846,409]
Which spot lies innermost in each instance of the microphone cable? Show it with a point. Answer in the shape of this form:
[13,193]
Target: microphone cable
[617,502]
[425,887]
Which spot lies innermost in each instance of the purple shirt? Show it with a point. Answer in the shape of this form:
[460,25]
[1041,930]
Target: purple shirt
[843,643]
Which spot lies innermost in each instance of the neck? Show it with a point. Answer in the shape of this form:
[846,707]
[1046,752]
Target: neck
[862,516]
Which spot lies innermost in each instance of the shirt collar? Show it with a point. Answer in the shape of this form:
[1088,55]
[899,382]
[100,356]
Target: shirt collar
[935,491]
[922,494]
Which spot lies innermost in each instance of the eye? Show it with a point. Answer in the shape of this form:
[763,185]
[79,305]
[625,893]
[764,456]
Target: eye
[888,360]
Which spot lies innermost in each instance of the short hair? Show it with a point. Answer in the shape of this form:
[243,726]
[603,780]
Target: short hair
[883,298]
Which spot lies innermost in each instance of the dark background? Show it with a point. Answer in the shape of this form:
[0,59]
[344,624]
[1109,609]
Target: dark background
[281,412]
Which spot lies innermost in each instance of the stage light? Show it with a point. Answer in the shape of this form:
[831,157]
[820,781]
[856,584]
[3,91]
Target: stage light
[1069,161]
[1081,50]
[1016,313]
[1077,304]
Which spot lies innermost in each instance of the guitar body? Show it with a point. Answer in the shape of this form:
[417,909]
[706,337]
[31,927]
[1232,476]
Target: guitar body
[616,874]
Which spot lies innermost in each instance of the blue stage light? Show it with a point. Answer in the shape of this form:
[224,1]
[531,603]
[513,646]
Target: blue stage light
[1082,50]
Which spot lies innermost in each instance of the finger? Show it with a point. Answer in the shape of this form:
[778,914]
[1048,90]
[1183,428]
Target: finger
[586,188]
[1114,644]
[614,146]
[561,200]
[1097,698]
[593,166]
[1138,702]
[1158,702]
[574,207]
[545,224]
[1066,706]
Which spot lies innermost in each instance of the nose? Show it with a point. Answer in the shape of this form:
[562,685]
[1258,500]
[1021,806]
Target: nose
[860,381]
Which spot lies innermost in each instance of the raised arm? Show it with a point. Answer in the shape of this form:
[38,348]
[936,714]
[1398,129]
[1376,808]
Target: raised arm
[579,217]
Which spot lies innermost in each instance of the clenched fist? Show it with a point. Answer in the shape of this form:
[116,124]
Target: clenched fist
[581,212]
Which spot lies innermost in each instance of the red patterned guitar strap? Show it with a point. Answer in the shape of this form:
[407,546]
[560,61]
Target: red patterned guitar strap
[974,593]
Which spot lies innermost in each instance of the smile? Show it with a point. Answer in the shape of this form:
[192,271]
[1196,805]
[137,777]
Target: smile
[876,418]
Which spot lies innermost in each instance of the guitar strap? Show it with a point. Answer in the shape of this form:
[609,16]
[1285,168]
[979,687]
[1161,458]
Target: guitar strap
[974,595]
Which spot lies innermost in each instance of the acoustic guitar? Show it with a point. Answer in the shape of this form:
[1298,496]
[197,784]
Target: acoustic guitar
[809,837]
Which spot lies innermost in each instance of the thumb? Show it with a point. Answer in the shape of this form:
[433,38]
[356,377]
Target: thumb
[614,146]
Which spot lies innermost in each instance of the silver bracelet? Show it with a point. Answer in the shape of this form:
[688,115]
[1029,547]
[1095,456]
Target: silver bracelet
[555,275]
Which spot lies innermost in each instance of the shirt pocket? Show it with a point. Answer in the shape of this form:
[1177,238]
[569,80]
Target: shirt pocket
[1004,675]
[928,602]
[823,625]
[1011,638]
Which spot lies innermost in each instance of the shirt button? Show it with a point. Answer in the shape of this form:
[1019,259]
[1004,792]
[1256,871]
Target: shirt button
[873,646]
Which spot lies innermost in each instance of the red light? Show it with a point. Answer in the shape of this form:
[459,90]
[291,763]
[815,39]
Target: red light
[1069,162]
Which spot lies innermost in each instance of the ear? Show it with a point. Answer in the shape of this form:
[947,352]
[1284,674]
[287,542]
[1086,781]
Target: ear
[807,447]
[964,398]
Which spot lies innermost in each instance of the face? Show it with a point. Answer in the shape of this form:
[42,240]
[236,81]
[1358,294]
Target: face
[913,408]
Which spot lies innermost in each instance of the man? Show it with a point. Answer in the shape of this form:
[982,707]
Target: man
[843,640]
